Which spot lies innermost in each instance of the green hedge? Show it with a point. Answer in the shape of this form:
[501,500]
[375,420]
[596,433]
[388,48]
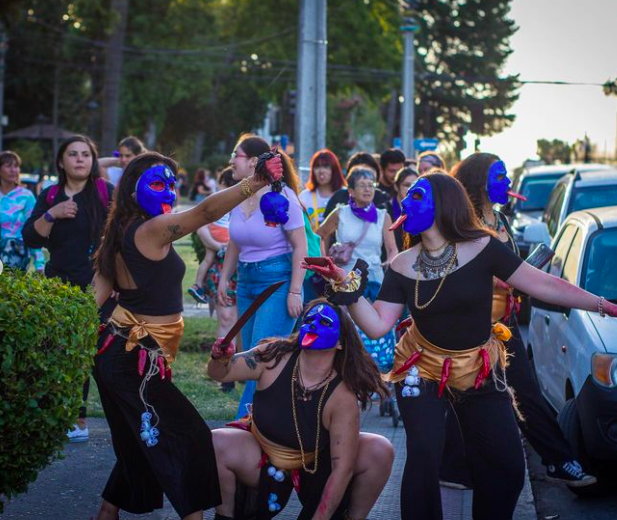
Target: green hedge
[198,247]
[48,333]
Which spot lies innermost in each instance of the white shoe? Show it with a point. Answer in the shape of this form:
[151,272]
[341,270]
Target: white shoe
[78,435]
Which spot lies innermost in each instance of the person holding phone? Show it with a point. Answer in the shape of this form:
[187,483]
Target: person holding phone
[453,355]
[485,178]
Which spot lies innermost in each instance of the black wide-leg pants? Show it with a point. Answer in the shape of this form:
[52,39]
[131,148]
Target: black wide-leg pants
[493,444]
[182,465]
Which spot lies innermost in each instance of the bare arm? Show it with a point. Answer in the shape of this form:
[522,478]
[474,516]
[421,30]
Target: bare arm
[107,162]
[241,367]
[551,289]
[376,319]
[297,238]
[229,266]
[159,231]
[388,240]
[344,439]
[329,226]
[102,289]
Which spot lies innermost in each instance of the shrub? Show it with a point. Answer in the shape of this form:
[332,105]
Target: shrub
[48,333]
[198,247]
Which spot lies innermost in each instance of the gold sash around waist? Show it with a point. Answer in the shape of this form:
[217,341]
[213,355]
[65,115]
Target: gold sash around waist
[465,363]
[500,304]
[279,456]
[166,335]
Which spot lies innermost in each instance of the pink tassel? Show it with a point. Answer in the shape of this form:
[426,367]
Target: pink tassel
[485,370]
[408,364]
[295,479]
[106,344]
[161,363]
[263,461]
[168,373]
[141,364]
[404,324]
[445,374]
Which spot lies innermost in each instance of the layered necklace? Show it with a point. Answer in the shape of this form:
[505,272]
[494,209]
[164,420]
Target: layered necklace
[434,267]
[296,376]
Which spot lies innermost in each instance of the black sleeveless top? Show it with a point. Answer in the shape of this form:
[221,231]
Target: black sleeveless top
[159,282]
[273,415]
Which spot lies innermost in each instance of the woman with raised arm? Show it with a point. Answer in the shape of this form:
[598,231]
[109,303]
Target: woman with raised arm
[452,351]
[485,178]
[161,443]
[304,429]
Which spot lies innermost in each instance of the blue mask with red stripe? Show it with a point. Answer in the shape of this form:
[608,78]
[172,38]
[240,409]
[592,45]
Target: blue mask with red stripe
[498,183]
[156,190]
[321,328]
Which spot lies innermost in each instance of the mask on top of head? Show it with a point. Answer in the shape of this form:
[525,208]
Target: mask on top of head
[418,208]
[275,208]
[498,183]
[321,328]
[155,190]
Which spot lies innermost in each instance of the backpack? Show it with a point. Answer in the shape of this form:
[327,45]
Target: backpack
[101,188]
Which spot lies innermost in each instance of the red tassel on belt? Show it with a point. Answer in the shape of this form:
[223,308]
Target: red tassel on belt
[445,373]
[408,364]
[485,370]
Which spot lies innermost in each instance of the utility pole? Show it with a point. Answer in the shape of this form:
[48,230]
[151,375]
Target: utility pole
[3,48]
[310,124]
[407,110]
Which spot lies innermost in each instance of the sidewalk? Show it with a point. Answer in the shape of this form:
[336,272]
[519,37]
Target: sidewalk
[69,489]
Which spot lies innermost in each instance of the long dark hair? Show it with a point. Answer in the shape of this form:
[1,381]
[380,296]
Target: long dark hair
[454,213]
[326,157]
[472,173]
[352,362]
[93,207]
[125,210]
[253,146]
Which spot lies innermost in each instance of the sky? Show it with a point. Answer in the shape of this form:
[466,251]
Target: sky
[560,40]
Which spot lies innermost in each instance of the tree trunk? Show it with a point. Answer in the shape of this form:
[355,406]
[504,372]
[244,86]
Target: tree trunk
[113,76]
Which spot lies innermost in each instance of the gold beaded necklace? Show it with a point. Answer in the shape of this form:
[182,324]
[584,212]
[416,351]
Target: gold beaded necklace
[294,380]
[448,269]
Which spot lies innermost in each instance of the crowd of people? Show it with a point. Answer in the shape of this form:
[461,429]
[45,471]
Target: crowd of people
[348,256]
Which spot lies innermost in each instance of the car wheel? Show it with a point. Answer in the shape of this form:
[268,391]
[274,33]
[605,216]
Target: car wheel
[569,423]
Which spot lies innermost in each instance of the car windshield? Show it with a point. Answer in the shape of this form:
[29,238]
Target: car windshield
[600,272]
[595,197]
[537,190]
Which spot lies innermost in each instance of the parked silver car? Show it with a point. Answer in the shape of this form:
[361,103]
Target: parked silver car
[574,352]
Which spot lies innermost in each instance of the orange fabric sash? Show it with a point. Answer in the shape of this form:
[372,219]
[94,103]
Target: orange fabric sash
[280,456]
[167,335]
[465,364]
[500,303]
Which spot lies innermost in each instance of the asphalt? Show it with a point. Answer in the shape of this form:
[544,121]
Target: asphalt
[69,489]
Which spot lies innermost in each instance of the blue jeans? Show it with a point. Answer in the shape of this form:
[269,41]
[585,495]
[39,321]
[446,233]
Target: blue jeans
[272,318]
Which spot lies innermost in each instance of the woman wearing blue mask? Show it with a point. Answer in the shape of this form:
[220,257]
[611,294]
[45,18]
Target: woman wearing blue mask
[304,429]
[453,354]
[162,444]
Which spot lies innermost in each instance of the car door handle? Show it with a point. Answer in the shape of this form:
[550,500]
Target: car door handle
[547,319]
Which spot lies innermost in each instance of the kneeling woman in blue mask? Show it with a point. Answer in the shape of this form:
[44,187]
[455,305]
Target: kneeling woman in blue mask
[162,444]
[453,354]
[304,430]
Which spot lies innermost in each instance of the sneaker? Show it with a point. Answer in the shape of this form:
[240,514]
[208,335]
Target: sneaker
[197,293]
[78,435]
[569,473]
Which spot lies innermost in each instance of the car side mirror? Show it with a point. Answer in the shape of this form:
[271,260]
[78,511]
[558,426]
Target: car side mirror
[539,304]
[537,233]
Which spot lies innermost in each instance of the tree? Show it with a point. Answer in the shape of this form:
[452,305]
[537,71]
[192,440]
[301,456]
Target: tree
[554,152]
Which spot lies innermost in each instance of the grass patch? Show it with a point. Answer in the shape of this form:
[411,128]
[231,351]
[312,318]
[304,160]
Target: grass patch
[184,248]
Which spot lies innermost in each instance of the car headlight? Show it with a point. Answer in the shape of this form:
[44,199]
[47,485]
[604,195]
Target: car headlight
[604,369]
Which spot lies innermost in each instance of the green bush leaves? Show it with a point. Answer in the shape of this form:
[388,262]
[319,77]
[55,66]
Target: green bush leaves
[48,332]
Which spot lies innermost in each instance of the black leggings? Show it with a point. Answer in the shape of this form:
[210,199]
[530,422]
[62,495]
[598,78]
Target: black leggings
[493,443]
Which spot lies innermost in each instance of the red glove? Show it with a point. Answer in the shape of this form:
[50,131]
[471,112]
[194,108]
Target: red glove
[330,271]
[274,167]
[222,350]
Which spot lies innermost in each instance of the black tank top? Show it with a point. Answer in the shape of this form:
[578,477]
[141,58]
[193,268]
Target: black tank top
[159,282]
[273,415]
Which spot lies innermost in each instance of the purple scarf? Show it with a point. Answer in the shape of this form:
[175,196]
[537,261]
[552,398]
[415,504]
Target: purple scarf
[369,214]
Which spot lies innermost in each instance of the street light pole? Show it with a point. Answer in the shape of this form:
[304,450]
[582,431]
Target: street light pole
[310,123]
[408,105]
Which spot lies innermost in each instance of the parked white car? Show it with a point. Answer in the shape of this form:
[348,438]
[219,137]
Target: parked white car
[574,352]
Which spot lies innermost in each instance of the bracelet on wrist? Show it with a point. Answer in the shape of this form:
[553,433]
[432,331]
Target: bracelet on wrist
[49,217]
[294,292]
[601,312]
[224,360]
[246,188]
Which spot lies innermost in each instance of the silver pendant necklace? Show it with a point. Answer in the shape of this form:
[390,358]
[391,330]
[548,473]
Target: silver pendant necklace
[434,267]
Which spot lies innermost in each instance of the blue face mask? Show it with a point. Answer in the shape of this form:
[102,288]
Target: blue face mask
[498,183]
[418,208]
[321,328]
[156,190]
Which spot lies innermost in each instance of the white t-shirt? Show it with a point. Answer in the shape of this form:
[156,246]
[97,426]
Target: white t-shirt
[114,173]
[308,200]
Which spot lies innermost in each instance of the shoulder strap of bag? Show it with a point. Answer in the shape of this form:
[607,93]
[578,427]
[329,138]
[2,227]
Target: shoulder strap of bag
[364,231]
[314,218]
[101,188]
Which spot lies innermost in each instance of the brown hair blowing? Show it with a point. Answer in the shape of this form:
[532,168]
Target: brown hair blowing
[125,210]
[253,146]
[454,213]
[472,173]
[353,363]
